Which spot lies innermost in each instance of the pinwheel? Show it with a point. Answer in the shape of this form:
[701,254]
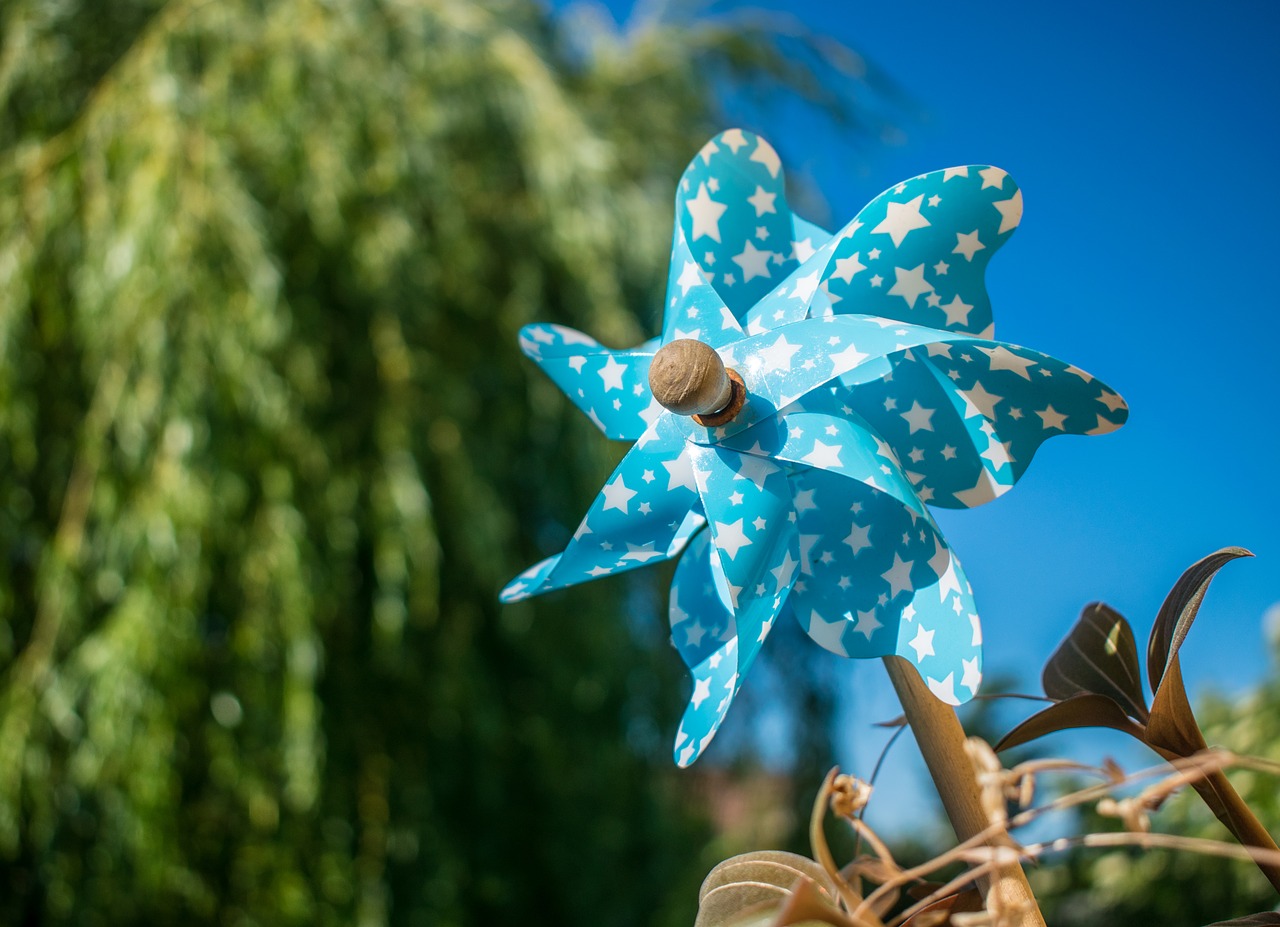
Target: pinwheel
[808,395]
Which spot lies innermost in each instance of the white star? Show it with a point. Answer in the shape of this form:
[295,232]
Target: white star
[612,373]
[955,172]
[753,261]
[1010,212]
[944,689]
[867,623]
[694,633]
[762,200]
[992,177]
[764,154]
[972,677]
[977,630]
[805,286]
[701,692]
[967,244]
[802,250]
[706,214]
[1004,359]
[734,139]
[918,417]
[957,311]
[1052,418]
[755,469]
[859,538]
[804,500]
[785,570]
[910,284]
[617,496]
[902,218]
[846,360]
[778,355]
[847,267]
[1111,400]
[985,402]
[898,576]
[689,277]
[731,538]
[828,634]
[922,643]
[642,553]
[826,456]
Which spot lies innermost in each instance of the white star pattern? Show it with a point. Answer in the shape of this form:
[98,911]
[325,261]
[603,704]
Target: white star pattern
[901,219]
[706,214]
[910,284]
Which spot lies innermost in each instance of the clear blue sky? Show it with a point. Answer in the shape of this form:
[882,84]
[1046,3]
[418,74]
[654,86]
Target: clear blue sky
[1146,145]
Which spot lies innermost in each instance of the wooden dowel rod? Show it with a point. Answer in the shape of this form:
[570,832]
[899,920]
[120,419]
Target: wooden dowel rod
[941,739]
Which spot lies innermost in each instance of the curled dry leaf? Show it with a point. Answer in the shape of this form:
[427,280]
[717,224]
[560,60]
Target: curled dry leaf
[776,867]
[760,887]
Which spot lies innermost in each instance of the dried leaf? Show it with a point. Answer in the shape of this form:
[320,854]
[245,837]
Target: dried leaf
[1077,711]
[871,868]
[941,910]
[807,905]
[1098,656]
[1179,610]
[1261,919]
[722,906]
[775,867]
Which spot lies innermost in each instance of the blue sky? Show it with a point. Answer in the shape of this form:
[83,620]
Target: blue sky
[1146,146]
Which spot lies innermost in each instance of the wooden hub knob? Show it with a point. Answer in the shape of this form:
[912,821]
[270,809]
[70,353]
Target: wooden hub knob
[688,377]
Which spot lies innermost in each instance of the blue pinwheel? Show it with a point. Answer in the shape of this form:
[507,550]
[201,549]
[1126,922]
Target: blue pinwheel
[868,386]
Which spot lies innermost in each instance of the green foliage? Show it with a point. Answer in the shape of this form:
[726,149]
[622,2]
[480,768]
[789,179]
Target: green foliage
[267,451]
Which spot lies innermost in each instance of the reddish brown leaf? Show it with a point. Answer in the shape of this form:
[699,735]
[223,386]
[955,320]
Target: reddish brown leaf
[1261,919]
[1078,711]
[1098,656]
[1179,610]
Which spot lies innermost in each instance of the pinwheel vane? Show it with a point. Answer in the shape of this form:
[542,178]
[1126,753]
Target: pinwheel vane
[808,395]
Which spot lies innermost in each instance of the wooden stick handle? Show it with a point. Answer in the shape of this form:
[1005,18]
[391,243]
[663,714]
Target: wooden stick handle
[941,740]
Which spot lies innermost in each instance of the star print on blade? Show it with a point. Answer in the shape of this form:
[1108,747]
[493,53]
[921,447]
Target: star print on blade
[867,388]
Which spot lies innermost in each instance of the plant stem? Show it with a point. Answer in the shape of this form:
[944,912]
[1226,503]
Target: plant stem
[1240,820]
[941,740]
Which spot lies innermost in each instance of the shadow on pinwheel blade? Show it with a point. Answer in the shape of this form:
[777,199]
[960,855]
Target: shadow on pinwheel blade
[1095,680]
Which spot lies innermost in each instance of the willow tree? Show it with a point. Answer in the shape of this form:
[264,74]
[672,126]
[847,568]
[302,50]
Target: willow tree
[267,452]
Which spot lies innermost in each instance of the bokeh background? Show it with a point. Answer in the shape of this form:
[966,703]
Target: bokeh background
[268,448]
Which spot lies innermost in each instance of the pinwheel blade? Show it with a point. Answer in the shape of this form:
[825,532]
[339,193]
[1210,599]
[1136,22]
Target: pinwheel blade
[919,251]
[611,387]
[644,514]
[965,419]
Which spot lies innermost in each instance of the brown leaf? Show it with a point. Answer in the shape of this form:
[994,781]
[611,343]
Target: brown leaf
[1179,610]
[1261,919]
[941,910]
[776,867]
[1098,656]
[721,906]
[1172,727]
[808,905]
[1076,711]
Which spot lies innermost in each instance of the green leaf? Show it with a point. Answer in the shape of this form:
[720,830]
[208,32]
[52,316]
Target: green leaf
[1179,610]
[1085,710]
[1098,656]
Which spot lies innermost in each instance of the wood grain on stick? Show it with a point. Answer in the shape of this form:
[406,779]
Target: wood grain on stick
[941,739]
